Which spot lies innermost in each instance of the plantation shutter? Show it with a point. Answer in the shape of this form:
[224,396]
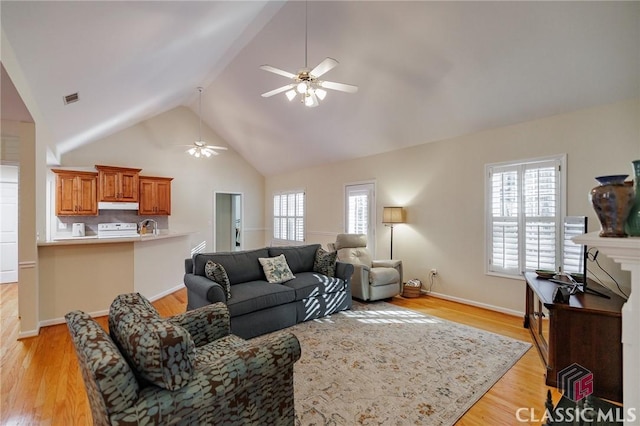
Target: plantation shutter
[524,212]
[288,216]
[358,212]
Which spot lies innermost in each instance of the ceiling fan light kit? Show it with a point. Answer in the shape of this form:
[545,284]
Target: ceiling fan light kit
[306,82]
[200,149]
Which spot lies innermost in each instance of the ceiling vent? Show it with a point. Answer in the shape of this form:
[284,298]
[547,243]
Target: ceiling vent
[69,99]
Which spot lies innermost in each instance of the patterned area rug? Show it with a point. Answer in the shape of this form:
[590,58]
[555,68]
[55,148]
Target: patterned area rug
[379,364]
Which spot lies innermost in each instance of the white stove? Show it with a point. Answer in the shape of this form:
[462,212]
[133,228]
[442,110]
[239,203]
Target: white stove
[117,230]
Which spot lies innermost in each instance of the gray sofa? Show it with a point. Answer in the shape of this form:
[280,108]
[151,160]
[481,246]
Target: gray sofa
[256,306]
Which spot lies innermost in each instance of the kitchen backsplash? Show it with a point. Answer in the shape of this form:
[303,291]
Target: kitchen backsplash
[107,216]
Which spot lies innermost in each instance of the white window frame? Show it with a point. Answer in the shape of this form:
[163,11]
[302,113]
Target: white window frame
[520,166]
[368,187]
[295,231]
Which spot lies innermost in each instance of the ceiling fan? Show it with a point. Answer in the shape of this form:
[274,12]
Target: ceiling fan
[306,81]
[200,148]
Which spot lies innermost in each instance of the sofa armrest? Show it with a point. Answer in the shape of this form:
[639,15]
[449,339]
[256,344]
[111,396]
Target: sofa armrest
[205,324]
[205,288]
[344,271]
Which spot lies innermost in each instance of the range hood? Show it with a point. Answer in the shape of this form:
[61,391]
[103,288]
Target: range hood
[117,206]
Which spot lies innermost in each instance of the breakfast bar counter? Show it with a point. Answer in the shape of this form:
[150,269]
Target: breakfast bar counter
[88,273]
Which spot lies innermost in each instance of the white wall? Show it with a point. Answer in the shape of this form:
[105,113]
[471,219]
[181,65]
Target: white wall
[155,146]
[441,184]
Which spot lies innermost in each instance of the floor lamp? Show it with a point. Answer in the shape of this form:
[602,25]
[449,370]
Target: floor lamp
[391,216]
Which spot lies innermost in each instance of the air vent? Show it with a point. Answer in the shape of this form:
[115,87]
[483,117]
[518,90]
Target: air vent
[69,99]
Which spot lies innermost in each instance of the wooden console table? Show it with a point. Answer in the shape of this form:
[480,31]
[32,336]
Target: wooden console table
[587,331]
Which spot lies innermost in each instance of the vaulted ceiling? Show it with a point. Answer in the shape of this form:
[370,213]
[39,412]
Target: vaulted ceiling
[426,71]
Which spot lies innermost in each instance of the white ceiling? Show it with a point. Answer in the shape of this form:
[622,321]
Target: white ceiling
[427,71]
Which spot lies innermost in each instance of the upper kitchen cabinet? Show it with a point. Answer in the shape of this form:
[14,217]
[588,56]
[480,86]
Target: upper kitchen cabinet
[117,184]
[155,196]
[76,193]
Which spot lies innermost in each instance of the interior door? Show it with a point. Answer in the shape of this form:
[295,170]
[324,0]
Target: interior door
[8,224]
[360,212]
[228,222]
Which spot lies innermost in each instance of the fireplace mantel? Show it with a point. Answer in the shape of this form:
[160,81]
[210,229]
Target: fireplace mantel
[626,252]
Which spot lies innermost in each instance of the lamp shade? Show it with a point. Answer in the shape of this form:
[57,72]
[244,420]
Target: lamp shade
[393,215]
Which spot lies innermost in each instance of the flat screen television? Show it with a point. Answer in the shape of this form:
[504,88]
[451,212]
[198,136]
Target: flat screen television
[575,256]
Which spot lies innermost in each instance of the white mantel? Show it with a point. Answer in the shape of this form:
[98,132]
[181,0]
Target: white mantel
[626,252]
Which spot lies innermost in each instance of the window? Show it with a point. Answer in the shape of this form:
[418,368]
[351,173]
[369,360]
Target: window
[288,216]
[524,215]
[359,211]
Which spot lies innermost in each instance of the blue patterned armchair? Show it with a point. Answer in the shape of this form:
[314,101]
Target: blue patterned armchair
[183,370]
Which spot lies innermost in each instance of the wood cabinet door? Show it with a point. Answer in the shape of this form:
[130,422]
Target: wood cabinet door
[86,195]
[147,197]
[65,194]
[128,186]
[109,188]
[163,197]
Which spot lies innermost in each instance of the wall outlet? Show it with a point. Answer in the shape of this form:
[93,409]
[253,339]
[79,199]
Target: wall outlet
[433,271]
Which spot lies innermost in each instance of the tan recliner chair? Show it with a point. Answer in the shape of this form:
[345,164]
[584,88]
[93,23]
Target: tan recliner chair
[372,279]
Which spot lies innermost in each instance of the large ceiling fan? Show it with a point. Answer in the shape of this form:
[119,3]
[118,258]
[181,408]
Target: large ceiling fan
[200,148]
[306,82]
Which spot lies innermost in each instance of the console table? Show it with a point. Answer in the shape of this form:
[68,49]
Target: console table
[586,331]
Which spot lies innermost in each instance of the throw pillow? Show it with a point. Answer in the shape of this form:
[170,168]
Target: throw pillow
[215,272]
[325,262]
[276,269]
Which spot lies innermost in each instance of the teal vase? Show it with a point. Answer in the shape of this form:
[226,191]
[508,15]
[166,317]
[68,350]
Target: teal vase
[633,220]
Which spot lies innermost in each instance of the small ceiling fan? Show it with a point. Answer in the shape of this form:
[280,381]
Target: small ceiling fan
[200,148]
[306,82]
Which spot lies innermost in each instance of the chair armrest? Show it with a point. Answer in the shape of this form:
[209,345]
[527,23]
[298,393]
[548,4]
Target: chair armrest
[269,354]
[205,324]
[390,264]
[205,288]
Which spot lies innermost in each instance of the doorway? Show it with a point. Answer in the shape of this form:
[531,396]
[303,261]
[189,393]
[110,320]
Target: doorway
[8,224]
[228,224]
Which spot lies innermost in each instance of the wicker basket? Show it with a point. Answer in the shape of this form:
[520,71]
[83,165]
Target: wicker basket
[408,291]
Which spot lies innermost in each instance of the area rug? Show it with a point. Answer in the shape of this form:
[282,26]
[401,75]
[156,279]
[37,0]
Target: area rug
[380,364]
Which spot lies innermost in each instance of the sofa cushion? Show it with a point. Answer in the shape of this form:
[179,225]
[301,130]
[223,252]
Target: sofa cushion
[299,258]
[312,284]
[216,272]
[276,269]
[241,267]
[160,351]
[325,262]
[257,295]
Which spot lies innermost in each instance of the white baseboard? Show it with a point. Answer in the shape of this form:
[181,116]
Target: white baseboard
[56,321]
[478,304]
[30,333]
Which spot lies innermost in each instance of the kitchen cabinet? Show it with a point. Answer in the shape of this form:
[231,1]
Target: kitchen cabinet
[118,184]
[155,195]
[76,193]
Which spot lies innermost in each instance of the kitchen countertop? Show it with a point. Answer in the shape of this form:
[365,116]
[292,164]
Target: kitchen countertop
[93,239]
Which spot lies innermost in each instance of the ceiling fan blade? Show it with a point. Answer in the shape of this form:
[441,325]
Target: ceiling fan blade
[277,71]
[278,90]
[327,65]
[221,148]
[339,86]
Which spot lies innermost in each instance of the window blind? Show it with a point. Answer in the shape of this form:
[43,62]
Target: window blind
[524,200]
[288,216]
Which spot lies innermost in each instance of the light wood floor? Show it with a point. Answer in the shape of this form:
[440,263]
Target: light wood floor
[41,384]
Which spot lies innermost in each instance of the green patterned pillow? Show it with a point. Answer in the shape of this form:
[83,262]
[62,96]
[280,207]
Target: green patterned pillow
[276,269]
[325,262]
[215,272]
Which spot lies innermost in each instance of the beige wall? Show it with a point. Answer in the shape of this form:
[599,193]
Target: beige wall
[155,146]
[441,186]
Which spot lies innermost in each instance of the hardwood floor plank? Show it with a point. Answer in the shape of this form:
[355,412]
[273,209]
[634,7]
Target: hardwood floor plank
[41,383]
